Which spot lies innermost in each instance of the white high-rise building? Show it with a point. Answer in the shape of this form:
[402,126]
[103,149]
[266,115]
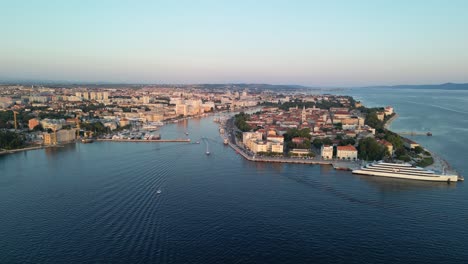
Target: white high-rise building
[105,96]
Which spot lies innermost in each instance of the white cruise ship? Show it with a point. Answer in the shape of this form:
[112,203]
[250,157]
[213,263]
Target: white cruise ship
[403,171]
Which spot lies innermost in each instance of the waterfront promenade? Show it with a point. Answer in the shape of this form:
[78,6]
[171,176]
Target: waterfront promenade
[389,121]
[337,164]
[4,151]
[146,140]
[230,129]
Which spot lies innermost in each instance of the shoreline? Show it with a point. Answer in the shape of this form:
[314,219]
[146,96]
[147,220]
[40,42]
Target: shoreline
[144,140]
[439,164]
[442,165]
[389,122]
[336,164]
[12,151]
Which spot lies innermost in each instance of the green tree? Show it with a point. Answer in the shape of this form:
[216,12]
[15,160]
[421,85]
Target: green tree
[11,140]
[317,142]
[401,152]
[294,132]
[394,138]
[373,121]
[327,141]
[370,149]
[418,150]
[240,120]
[38,128]
[347,141]
[97,128]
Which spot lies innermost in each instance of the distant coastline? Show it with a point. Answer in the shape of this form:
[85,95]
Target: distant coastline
[444,86]
[277,86]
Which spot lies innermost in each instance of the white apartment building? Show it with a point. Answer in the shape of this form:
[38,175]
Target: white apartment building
[246,136]
[326,152]
[346,152]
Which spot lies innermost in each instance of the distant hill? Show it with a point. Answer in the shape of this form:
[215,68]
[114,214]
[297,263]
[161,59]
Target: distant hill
[252,86]
[444,86]
[103,84]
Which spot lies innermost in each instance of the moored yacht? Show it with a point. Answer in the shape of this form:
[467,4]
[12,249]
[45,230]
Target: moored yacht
[403,171]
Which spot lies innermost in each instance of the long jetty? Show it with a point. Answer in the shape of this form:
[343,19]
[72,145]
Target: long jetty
[11,151]
[412,133]
[145,140]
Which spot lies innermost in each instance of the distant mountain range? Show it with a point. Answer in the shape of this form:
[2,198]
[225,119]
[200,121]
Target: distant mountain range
[58,83]
[444,86]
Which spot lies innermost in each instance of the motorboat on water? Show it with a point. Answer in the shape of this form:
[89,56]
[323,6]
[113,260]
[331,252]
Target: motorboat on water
[87,140]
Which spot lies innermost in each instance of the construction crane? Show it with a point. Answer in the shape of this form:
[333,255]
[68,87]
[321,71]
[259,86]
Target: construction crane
[54,129]
[78,126]
[14,117]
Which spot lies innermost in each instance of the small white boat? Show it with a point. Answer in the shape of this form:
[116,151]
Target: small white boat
[207,153]
[158,191]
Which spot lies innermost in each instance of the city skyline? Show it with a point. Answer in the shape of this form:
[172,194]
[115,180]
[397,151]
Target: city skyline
[307,43]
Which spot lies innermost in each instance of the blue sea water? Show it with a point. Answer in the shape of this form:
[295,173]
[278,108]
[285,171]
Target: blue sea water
[98,203]
[443,112]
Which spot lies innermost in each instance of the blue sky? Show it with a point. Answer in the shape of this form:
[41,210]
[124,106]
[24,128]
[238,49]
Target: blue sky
[319,43]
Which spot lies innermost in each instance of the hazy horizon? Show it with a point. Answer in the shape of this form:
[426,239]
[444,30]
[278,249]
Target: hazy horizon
[72,82]
[310,43]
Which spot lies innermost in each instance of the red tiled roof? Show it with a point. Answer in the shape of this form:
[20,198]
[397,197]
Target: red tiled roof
[385,142]
[346,148]
[341,113]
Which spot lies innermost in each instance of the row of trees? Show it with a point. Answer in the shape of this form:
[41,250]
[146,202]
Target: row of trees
[370,149]
[96,127]
[302,133]
[300,105]
[7,118]
[318,142]
[11,140]
[240,120]
[373,121]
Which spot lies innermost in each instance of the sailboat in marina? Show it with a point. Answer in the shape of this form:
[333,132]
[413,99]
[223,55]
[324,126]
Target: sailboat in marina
[207,147]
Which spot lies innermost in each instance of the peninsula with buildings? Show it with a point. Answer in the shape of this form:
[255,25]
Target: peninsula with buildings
[288,123]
